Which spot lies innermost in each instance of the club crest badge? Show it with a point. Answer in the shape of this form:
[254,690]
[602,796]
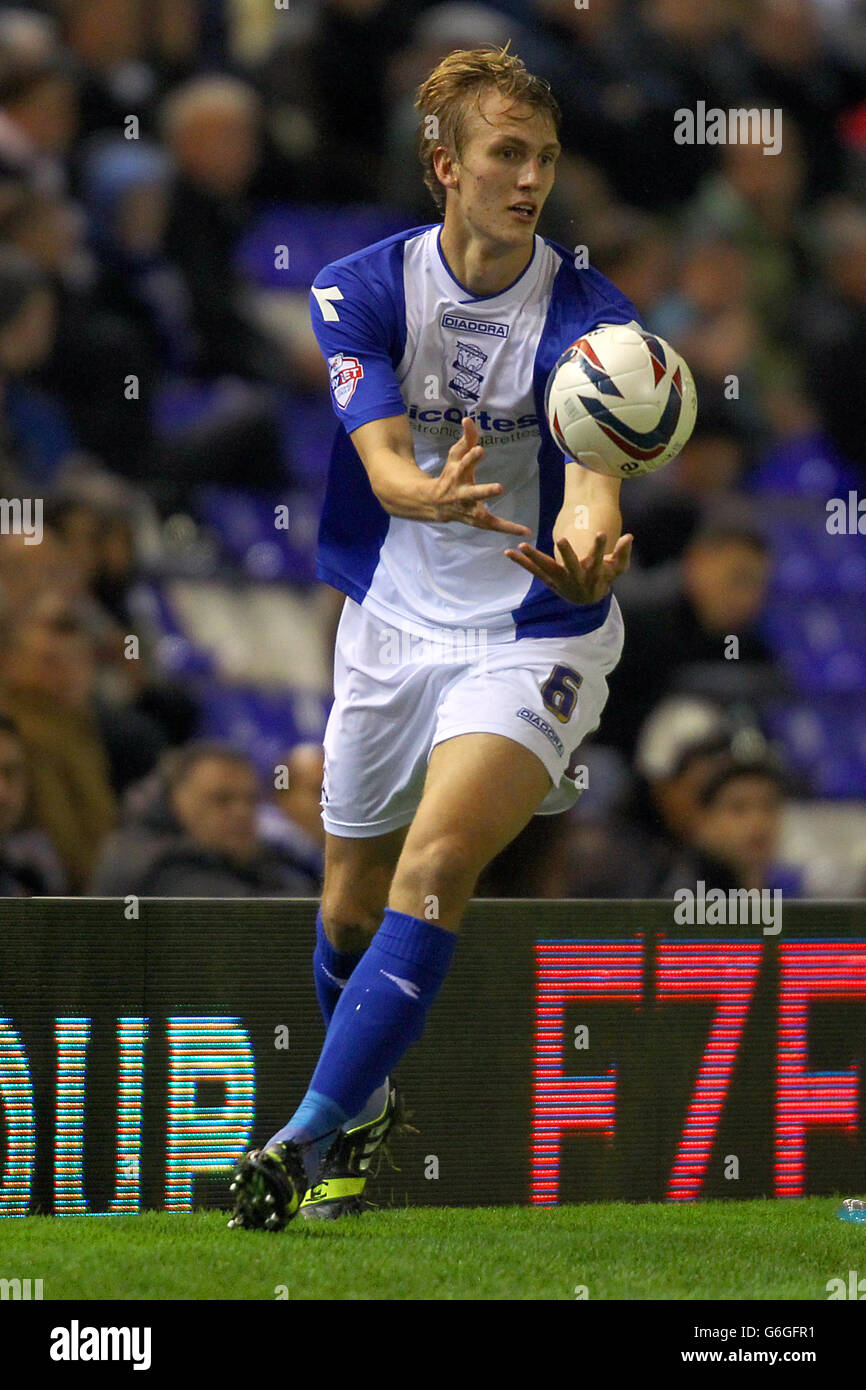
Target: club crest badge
[466,381]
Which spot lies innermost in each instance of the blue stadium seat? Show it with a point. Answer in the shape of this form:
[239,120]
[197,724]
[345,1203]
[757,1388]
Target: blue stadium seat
[263,723]
[180,403]
[820,642]
[314,236]
[815,618]
[176,655]
[806,466]
[244,524]
[825,742]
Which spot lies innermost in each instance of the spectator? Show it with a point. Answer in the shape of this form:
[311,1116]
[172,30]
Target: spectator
[293,819]
[46,688]
[833,322]
[192,832]
[95,347]
[648,61]
[711,320]
[28,861]
[28,570]
[212,127]
[666,509]
[734,840]
[130,310]
[715,595]
[680,745]
[109,42]
[27,36]
[637,254]
[786,57]
[36,437]
[91,519]
[38,115]
[349,54]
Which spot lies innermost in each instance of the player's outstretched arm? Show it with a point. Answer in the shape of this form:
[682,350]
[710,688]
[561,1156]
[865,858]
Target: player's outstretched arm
[587,535]
[386,451]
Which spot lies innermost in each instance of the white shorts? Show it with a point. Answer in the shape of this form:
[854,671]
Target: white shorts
[396,696]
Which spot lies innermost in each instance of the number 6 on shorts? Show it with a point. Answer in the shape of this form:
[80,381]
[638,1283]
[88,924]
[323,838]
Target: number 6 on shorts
[559,692]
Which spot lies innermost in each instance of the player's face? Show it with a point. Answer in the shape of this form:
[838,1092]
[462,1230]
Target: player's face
[505,171]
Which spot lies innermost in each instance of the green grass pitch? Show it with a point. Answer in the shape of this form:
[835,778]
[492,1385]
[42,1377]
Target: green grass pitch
[708,1250]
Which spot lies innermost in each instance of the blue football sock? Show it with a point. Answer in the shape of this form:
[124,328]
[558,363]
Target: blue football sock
[331,970]
[380,1013]
[372,1110]
[314,1125]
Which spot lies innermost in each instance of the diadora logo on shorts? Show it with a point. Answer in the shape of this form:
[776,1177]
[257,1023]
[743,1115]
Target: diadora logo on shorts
[346,372]
[485,326]
[538,723]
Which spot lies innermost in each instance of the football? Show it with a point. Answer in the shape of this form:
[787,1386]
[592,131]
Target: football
[620,401]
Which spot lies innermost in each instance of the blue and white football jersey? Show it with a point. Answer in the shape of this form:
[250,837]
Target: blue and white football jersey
[402,336]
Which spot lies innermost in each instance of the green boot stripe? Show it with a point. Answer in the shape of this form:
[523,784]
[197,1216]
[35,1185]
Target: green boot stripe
[333,1190]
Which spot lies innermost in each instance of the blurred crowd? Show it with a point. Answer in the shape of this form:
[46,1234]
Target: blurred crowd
[140,139]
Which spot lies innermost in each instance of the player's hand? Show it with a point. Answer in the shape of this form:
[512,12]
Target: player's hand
[457,497]
[578,581]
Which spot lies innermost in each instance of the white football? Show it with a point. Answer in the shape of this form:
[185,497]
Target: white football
[621,401]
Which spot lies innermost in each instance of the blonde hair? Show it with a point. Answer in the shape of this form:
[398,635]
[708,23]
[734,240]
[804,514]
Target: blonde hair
[456,85]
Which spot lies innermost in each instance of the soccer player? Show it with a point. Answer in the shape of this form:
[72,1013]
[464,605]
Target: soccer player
[479,625]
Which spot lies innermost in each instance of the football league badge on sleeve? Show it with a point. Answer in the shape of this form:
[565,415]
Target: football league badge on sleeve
[345,372]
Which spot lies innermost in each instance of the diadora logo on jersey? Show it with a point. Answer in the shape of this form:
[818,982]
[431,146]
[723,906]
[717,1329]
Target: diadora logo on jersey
[346,372]
[462,325]
[542,725]
[466,381]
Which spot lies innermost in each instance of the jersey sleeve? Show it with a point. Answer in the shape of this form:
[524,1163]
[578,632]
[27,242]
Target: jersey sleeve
[613,307]
[356,327]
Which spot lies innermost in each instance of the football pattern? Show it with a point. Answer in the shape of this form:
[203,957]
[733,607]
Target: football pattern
[620,401]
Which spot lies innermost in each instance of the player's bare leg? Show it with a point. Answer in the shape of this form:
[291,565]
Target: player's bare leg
[449,844]
[358,874]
